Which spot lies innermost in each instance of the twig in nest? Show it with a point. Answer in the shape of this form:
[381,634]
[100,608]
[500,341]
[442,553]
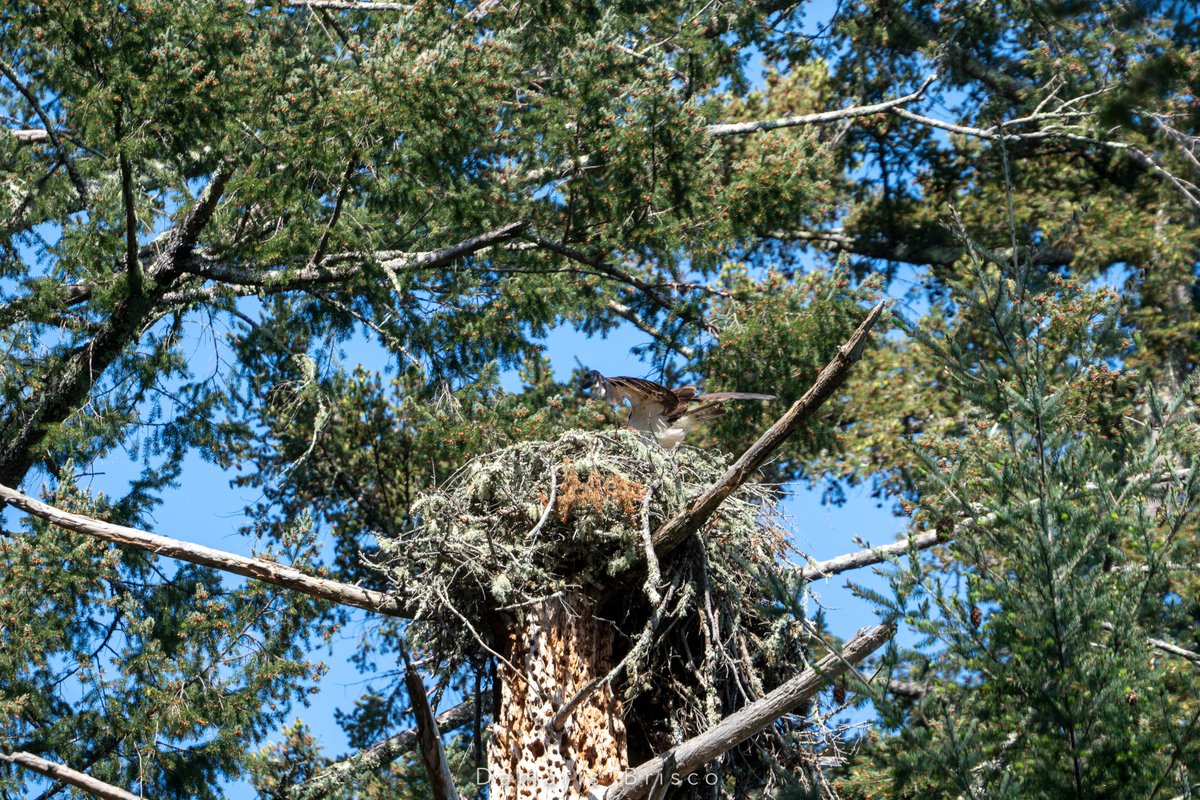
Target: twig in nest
[653,575]
[549,503]
[479,640]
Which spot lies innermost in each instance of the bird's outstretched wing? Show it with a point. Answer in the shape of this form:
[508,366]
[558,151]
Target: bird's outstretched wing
[667,414]
[705,407]
[650,403]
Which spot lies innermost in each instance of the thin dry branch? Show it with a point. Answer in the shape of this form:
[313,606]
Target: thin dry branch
[864,558]
[66,775]
[256,568]
[378,755]
[756,126]
[1056,130]
[744,723]
[339,5]
[672,532]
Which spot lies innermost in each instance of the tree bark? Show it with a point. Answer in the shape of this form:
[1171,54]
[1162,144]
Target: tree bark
[552,651]
[257,568]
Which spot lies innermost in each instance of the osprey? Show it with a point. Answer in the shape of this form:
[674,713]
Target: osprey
[666,414]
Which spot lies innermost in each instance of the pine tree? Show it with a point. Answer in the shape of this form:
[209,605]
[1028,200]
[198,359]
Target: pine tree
[1046,662]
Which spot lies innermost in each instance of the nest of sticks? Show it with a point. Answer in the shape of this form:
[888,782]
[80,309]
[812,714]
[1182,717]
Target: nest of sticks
[705,629]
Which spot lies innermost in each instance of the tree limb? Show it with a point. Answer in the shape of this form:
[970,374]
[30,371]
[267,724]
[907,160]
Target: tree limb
[863,558]
[746,722]
[672,532]
[63,156]
[257,568]
[31,135]
[340,266]
[67,381]
[339,5]
[740,128]
[66,775]
[378,755]
[441,781]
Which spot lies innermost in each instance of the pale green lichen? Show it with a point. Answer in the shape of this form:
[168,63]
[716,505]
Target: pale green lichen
[541,517]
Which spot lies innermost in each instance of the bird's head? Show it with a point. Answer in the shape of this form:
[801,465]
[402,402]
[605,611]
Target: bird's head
[593,380]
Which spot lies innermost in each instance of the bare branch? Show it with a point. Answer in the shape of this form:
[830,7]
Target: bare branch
[63,156]
[1173,649]
[1164,646]
[378,755]
[672,532]
[340,266]
[864,558]
[441,781]
[256,568]
[746,722]
[1189,190]
[739,128]
[913,689]
[338,5]
[66,775]
[31,135]
[629,315]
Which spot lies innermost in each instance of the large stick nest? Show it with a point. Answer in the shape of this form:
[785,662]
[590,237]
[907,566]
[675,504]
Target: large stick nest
[540,518]
[706,631]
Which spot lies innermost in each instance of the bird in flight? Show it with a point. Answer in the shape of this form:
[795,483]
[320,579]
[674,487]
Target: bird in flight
[666,414]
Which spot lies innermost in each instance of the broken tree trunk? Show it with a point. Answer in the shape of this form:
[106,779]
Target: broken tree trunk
[554,649]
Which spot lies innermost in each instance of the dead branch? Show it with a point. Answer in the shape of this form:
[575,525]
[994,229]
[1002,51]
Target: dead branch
[1056,130]
[1173,649]
[63,774]
[378,755]
[740,128]
[746,722]
[863,558]
[31,135]
[911,689]
[256,568]
[672,532]
[441,781]
[1164,646]
[338,267]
